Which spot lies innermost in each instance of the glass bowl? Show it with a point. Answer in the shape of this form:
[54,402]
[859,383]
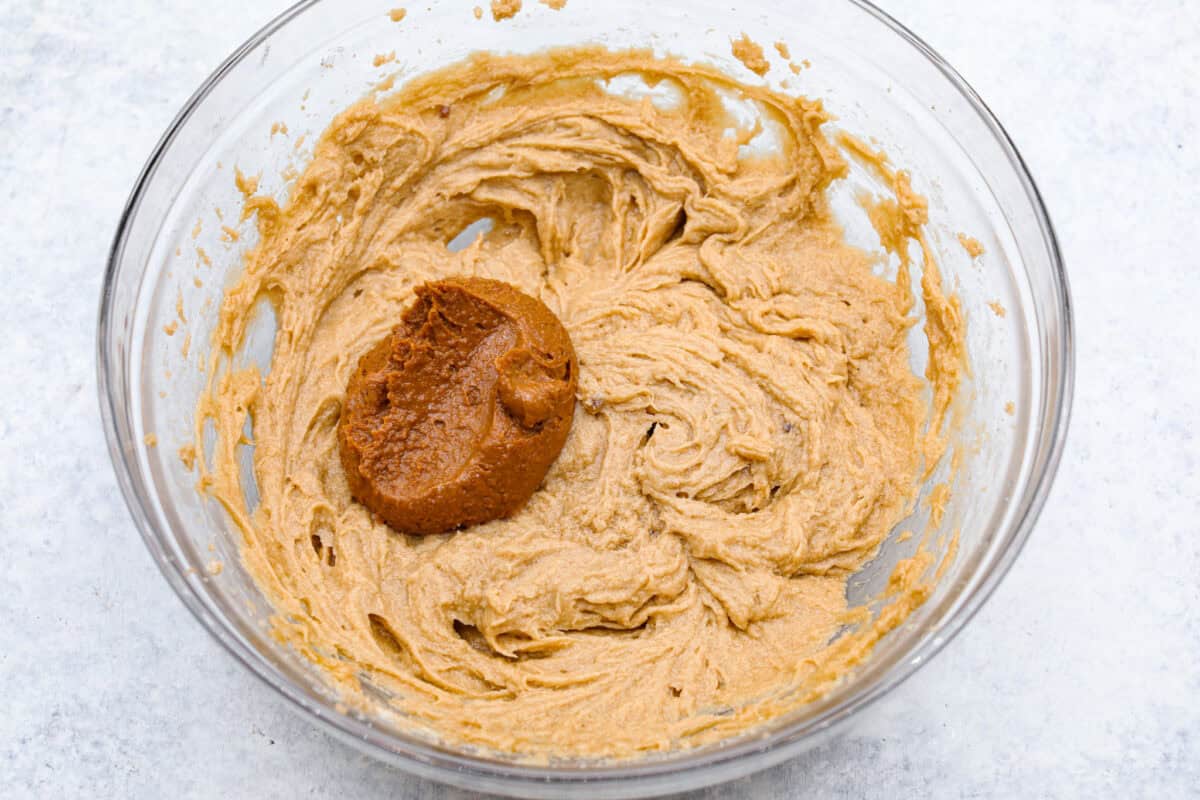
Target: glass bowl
[265,105]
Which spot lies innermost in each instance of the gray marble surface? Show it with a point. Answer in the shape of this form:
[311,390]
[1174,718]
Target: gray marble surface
[1079,678]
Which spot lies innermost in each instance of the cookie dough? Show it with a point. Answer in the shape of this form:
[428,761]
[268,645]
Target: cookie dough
[454,417]
[748,430]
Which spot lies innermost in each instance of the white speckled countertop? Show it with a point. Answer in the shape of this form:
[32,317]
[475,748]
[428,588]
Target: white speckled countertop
[1081,676]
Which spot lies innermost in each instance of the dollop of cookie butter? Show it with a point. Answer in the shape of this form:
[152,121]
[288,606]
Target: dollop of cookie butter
[454,418]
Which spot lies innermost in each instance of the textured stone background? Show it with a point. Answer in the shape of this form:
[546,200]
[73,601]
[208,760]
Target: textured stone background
[1079,678]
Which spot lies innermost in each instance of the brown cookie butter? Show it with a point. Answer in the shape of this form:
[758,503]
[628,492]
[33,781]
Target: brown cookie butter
[454,418]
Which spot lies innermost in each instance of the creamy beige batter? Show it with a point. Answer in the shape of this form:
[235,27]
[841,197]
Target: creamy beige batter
[748,428]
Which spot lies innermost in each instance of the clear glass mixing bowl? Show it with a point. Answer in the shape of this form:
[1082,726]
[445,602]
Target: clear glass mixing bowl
[875,76]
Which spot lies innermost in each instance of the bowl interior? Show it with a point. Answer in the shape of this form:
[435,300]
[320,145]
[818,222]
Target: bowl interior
[181,244]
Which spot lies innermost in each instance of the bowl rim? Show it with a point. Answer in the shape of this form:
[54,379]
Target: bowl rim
[701,766]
